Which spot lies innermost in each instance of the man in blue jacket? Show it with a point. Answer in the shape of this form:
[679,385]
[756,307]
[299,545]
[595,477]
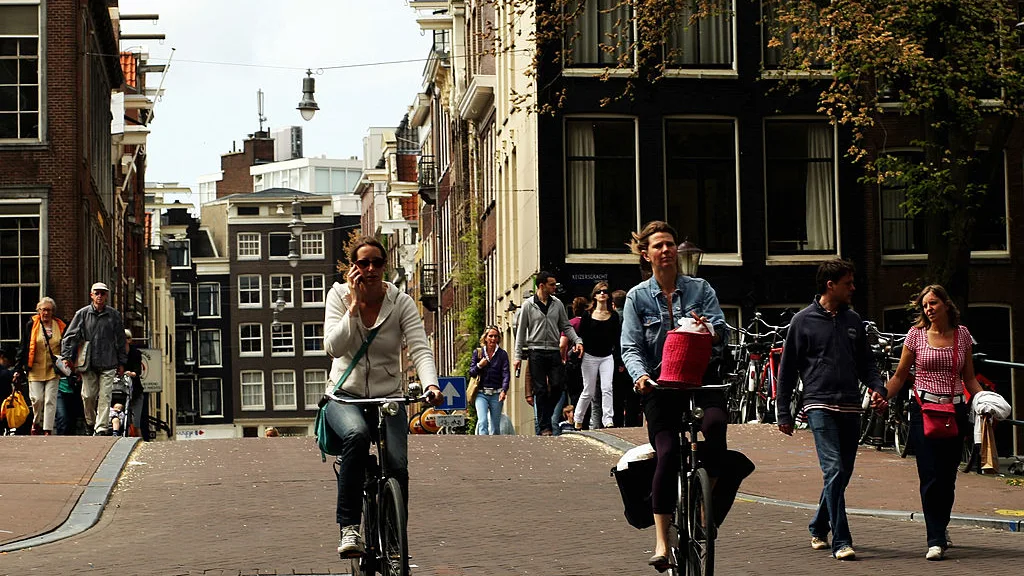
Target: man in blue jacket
[827,347]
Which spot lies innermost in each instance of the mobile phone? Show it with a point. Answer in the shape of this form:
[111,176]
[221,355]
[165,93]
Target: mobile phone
[519,369]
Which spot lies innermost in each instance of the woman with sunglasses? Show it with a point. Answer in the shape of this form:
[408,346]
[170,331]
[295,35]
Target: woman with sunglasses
[364,303]
[39,345]
[599,327]
[490,363]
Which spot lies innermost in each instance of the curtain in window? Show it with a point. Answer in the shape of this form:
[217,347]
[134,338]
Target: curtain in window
[614,28]
[707,41]
[581,186]
[819,192]
[584,46]
[896,231]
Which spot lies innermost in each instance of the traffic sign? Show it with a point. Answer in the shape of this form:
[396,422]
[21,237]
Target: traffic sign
[453,388]
[451,420]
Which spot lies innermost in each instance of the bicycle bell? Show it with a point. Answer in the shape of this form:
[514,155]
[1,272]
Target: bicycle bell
[415,389]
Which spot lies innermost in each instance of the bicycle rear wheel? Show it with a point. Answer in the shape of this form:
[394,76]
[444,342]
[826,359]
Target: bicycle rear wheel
[700,557]
[394,544]
[678,536]
[900,427]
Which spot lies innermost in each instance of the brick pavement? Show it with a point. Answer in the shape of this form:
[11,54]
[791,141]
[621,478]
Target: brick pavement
[480,506]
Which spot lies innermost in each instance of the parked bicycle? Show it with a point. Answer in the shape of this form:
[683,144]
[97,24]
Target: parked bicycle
[693,529]
[754,387]
[892,426]
[384,527]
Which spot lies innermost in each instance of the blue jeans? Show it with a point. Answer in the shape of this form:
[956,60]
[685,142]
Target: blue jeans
[835,439]
[488,413]
[556,417]
[356,427]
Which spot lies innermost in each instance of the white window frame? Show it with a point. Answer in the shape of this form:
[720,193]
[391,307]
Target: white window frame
[217,300]
[591,69]
[701,70]
[320,350]
[311,245]
[294,392]
[219,345]
[289,292]
[258,290]
[261,386]
[242,339]
[189,335]
[40,80]
[321,291]
[188,254]
[279,335]
[270,254]
[599,257]
[220,395]
[191,302]
[712,258]
[246,242]
[313,389]
[801,259]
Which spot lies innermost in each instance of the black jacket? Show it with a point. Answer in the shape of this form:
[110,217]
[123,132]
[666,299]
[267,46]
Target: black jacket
[832,356]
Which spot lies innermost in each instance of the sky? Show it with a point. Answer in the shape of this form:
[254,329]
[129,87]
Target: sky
[226,50]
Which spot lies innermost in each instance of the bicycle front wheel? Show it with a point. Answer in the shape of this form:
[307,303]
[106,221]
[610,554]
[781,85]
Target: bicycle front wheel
[700,557]
[901,428]
[366,565]
[394,544]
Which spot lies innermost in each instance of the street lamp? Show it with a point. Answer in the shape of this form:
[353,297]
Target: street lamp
[279,305]
[690,256]
[307,106]
[296,226]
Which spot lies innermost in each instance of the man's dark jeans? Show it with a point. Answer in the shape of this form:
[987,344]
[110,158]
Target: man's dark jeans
[546,373]
[835,438]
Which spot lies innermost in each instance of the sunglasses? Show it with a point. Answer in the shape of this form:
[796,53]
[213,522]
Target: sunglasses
[44,310]
[365,262]
[601,292]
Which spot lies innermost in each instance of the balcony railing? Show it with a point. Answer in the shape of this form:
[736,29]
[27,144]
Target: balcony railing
[426,179]
[428,286]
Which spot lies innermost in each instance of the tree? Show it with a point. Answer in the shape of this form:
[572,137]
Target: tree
[951,67]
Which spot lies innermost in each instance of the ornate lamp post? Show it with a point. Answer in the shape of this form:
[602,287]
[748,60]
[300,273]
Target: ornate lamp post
[689,258]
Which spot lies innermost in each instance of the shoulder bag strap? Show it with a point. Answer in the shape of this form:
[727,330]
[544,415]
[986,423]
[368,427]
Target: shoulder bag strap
[356,358]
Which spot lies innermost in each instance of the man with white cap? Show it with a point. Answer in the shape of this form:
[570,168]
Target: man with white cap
[100,330]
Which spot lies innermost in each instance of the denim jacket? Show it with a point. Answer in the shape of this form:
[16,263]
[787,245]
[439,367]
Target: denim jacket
[645,320]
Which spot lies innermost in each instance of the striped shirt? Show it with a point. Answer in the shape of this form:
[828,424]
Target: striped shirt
[934,367]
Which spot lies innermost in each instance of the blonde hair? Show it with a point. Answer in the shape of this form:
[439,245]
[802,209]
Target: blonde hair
[46,300]
[483,337]
[952,312]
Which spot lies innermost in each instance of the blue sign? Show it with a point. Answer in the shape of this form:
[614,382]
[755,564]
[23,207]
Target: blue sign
[453,388]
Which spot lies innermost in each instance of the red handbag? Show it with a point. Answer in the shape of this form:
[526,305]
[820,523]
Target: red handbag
[939,419]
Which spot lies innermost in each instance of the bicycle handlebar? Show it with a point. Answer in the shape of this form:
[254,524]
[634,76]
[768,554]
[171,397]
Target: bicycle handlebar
[376,401]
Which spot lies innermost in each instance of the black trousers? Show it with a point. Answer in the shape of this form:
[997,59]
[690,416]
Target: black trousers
[546,373]
[938,462]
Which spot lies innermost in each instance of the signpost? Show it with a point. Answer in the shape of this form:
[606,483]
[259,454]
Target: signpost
[453,388]
[152,376]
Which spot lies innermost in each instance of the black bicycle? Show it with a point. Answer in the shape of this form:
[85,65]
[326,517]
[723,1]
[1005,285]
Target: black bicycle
[385,525]
[693,529]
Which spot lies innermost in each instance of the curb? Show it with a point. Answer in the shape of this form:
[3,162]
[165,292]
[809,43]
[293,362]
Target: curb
[89,507]
[907,516]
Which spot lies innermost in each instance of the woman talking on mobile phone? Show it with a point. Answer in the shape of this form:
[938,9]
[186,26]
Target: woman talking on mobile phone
[366,304]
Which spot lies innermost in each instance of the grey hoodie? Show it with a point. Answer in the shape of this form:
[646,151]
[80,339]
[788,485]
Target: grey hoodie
[538,331]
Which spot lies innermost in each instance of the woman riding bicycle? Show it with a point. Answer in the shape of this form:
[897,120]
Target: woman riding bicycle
[653,307]
[365,303]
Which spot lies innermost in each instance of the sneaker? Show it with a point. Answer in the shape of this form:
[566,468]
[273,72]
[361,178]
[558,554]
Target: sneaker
[949,541]
[846,553]
[819,543]
[935,553]
[351,545]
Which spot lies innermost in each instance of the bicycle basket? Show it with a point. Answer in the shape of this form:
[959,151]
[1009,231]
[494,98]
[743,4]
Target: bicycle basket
[634,474]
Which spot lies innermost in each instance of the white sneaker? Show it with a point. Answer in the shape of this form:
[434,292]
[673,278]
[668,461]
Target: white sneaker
[351,545]
[935,553]
[819,543]
[846,553]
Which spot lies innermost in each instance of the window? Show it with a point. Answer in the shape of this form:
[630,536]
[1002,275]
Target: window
[901,234]
[282,340]
[185,348]
[248,245]
[281,285]
[600,183]
[182,296]
[313,339]
[19,72]
[800,186]
[312,210]
[249,210]
[250,291]
[312,244]
[279,244]
[19,272]
[209,300]
[209,348]
[284,389]
[706,42]
[210,398]
[774,57]
[179,253]
[990,234]
[601,35]
[250,340]
[314,385]
[701,189]
[253,397]
[312,289]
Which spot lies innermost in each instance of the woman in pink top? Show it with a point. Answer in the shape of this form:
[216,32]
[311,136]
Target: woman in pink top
[939,348]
